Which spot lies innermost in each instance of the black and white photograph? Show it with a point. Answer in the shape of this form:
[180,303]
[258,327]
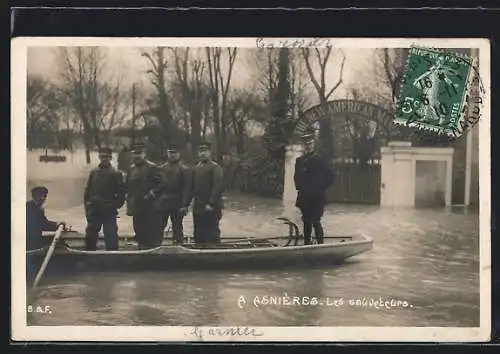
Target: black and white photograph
[250,189]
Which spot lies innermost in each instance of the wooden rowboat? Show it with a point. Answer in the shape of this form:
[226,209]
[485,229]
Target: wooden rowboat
[230,253]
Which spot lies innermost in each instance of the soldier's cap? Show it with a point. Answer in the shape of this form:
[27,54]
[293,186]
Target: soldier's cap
[39,190]
[204,145]
[105,151]
[173,147]
[137,147]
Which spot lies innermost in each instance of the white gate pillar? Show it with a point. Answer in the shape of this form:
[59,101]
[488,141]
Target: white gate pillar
[289,191]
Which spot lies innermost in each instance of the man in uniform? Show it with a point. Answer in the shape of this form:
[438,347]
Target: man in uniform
[313,176]
[143,183]
[104,195]
[207,189]
[174,192]
[36,221]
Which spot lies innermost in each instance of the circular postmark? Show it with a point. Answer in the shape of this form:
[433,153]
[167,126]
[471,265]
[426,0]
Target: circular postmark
[440,93]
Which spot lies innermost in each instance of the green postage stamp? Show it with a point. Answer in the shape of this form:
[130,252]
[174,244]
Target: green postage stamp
[433,91]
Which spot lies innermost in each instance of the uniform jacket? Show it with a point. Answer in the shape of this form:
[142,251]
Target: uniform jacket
[142,179]
[207,186]
[312,176]
[36,222]
[105,190]
[175,186]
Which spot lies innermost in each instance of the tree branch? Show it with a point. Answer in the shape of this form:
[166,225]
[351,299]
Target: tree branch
[339,82]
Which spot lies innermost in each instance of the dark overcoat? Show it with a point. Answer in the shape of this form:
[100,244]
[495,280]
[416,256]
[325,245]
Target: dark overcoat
[175,186]
[105,191]
[36,223]
[208,186]
[142,179]
[312,177]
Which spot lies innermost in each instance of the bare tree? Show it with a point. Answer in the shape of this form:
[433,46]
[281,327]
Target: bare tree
[389,70]
[47,114]
[266,61]
[180,88]
[157,60]
[243,107]
[219,89]
[192,93]
[294,89]
[324,94]
[41,103]
[381,86]
[91,92]
[299,85]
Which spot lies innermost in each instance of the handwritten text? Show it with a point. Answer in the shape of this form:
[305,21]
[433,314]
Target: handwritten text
[201,333]
[294,43]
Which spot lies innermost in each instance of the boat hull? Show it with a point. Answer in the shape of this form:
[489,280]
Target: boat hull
[167,257]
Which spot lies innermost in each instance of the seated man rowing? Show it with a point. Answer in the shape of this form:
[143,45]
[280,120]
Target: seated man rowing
[37,222]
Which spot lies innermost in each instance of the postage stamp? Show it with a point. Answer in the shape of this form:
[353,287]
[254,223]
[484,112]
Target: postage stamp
[245,189]
[434,90]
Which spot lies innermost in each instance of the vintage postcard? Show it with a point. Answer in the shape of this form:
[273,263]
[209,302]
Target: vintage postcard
[251,189]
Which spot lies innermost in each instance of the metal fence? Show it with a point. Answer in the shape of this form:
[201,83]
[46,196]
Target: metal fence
[356,183]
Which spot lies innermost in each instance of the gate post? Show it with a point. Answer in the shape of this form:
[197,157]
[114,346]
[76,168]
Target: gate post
[398,172]
[289,191]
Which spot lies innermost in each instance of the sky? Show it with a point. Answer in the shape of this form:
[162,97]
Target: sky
[130,63]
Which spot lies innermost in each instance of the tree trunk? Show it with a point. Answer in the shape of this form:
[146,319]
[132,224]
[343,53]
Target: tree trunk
[216,122]
[280,102]
[87,140]
[87,151]
[326,139]
[195,130]
[240,138]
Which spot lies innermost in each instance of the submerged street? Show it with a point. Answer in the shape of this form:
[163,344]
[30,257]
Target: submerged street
[424,257]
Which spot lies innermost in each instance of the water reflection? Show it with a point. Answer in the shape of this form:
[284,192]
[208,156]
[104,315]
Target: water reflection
[176,302]
[299,291]
[143,300]
[98,295]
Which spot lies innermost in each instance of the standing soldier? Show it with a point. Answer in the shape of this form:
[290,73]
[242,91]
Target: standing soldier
[207,189]
[312,177]
[104,194]
[173,199]
[143,182]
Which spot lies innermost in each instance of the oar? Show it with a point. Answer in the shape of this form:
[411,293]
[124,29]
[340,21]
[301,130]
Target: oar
[48,255]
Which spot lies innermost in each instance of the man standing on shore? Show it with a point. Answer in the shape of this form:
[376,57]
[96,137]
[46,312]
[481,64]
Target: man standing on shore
[207,189]
[104,194]
[174,192]
[313,176]
[143,183]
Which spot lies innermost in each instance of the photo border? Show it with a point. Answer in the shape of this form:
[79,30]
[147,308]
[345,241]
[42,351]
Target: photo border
[22,332]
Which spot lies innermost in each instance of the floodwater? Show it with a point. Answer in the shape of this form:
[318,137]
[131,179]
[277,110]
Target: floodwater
[427,259]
